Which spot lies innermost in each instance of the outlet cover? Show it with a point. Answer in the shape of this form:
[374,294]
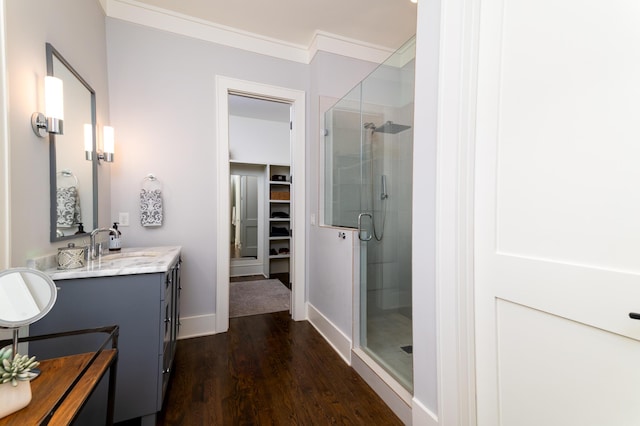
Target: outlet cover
[123,219]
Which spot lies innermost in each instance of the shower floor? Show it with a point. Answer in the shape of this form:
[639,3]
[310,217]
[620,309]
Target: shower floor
[388,336]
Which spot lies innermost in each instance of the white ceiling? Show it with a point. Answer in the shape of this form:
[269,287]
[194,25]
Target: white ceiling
[384,23]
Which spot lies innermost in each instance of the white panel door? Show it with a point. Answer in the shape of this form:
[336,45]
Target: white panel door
[557,240]
[249,216]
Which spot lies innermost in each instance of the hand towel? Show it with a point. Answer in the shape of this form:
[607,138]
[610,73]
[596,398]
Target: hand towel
[68,207]
[151,207]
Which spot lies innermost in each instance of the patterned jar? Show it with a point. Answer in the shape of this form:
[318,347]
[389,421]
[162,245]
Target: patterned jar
[70,257]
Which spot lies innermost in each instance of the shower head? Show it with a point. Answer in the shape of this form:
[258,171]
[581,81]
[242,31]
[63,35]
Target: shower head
[391,127]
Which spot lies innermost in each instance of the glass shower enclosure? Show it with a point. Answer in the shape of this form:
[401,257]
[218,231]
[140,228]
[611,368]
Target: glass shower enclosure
[368,159]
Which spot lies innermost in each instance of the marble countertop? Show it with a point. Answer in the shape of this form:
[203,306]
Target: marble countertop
[128,261]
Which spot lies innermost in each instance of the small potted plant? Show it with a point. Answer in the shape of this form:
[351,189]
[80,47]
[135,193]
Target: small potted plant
[15,374]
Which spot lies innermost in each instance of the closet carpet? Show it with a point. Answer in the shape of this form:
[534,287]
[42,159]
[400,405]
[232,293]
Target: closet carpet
[257,297]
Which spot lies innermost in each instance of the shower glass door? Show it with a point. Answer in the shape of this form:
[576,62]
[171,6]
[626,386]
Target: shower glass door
[368,186]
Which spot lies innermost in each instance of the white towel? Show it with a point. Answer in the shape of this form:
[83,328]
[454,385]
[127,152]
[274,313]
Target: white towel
[68,207]
[151,207]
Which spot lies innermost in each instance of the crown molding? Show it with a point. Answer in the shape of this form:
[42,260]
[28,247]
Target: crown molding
[331,43]
[166,20]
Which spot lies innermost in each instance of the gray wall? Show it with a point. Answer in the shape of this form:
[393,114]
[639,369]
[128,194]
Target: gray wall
[163,92]
[76,28]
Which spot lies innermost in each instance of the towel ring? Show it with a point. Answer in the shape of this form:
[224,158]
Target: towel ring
[150,183]
[66,174]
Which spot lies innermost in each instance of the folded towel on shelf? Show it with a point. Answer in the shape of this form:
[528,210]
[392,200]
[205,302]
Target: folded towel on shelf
[150,207]
[68,207]
[280,215]
[277,231]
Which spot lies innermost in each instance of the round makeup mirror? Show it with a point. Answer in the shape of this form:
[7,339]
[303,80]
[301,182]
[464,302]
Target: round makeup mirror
[26,295]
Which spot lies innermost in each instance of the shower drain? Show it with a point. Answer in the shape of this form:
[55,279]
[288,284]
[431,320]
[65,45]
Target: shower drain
[408,349]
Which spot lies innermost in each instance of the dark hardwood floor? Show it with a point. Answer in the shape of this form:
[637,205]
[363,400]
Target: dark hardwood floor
[267,370]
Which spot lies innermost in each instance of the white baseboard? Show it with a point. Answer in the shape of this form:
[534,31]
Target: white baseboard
[394,395]
[200,325]
[332,334]
[422,416]
[240,270]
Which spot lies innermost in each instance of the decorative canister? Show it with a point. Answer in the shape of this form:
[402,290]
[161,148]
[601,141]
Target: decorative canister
[70,257]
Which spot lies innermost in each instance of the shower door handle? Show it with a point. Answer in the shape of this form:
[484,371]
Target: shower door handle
[360,226]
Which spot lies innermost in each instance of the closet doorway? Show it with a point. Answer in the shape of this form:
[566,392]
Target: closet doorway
[260,147]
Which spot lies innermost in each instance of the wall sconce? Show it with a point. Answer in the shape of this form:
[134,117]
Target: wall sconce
[52,120]
[88,142]
[108,143]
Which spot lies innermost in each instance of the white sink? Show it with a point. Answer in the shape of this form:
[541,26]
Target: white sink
[130,254]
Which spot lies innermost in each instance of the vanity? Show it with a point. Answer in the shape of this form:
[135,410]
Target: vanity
[137,289]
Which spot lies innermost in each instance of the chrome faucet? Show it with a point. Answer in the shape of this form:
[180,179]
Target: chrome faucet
[93,247]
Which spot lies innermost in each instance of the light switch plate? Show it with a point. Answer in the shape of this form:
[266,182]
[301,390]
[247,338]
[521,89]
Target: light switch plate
[123,219]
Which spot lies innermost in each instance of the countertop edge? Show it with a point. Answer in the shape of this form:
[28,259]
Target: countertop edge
[113,265]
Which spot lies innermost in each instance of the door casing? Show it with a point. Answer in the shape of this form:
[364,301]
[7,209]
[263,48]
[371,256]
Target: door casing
[296,98]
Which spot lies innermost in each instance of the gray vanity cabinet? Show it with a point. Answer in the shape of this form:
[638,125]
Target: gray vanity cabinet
[146,307]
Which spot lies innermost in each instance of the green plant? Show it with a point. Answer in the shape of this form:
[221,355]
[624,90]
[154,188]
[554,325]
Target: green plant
[17,369]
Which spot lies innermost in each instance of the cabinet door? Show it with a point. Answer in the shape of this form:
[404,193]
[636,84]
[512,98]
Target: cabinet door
[133,303]
[167,341]
[171,308]
[176,302]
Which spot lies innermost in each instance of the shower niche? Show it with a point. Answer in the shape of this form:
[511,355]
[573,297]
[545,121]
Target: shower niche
[368,157]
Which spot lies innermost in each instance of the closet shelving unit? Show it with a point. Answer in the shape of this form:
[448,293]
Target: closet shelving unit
[280,229]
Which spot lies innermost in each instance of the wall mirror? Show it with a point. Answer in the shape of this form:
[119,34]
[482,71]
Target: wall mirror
[73,178]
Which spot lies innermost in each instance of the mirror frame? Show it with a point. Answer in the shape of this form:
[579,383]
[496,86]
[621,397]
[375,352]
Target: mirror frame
[44,311]
[50,53]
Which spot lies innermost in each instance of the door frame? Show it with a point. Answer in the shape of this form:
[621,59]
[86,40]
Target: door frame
[446,74]
[5,175]
[297,99]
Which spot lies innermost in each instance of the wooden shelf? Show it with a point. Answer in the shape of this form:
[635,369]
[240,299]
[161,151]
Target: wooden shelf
[279,194]
[280,256]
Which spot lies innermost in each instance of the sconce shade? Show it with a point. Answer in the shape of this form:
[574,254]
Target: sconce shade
[52,120]
[88,142]
[109,143]
[54,104]
[53,98]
